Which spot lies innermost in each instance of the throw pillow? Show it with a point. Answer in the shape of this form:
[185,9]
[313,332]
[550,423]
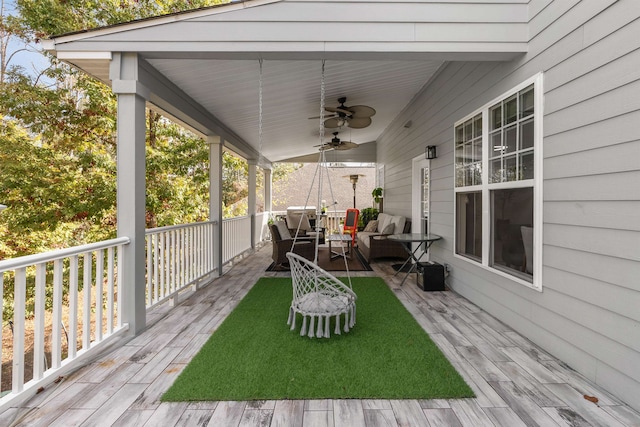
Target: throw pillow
[283,230]
[389,228]
[372,226]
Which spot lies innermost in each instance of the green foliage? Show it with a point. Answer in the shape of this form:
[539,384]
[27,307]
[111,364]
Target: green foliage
[54,17]
[366,215]
[58,143]
[377,194]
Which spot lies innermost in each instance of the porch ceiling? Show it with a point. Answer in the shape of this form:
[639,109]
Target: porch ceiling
[228,89]
[202,66]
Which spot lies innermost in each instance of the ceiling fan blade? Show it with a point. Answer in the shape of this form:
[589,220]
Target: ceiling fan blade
[361,111]
[339,110]
[328,116]
[346,145]
[358,123]
[332,123]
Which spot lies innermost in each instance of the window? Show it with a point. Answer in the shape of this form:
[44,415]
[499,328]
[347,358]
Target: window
[424,199]
[497,182]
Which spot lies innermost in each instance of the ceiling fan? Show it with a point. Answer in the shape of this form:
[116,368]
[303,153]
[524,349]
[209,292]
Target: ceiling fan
[356,117]
[337,144]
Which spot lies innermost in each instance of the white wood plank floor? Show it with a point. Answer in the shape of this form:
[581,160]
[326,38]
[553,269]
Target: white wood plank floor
[516,383]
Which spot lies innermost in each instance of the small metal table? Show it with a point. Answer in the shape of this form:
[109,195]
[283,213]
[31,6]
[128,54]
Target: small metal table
[407,240]
[342,238]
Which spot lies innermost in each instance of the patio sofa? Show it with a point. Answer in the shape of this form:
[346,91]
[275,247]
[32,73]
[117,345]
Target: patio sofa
[373,242]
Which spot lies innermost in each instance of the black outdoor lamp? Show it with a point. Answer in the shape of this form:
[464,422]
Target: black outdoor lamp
[430,152]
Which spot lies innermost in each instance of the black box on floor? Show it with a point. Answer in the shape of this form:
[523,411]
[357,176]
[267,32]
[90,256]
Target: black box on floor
[430,276]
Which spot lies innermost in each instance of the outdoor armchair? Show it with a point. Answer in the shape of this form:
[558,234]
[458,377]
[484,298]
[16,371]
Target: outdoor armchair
[282,242]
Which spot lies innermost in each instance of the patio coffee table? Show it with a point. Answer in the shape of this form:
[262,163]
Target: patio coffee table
[342,238]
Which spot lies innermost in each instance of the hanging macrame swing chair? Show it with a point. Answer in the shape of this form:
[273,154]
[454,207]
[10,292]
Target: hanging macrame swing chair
[318,296]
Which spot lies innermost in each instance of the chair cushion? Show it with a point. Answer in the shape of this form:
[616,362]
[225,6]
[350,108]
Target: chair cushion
[383,220]
[283,230]
[398,221]
[371,226]
[295,218]
[389,228]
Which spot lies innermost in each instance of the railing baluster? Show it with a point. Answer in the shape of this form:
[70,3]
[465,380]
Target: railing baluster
[86,291]
[56,327]
[20,291]
[99,293]
[156,268]
[149,272]
[174,276]
[110,289]
[119,287]
[73,306]
[161,263]
[38,324]
[1,311]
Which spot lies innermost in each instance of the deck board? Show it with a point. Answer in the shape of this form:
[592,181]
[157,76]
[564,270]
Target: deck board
[516,383]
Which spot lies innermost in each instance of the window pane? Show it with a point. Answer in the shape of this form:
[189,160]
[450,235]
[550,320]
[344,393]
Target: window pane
[468,130]
[459,176]
[468,153]
[526,135]
[510,135]
[510,169]
[477,126]
[495,173]
[511,110]
[495,117]
[459,134]
[459,154]
[469,225]
[496,145]
[477,173]
[512,243]
[477,150]
[526,165]
[526,102]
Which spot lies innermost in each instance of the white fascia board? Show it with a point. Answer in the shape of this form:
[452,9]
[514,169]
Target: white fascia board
[71,55]
[134,25]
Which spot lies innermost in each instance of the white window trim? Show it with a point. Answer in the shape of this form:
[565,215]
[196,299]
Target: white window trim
[417,164]
[486,188]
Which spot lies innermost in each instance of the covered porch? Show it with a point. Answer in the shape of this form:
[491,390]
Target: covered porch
[425,67]
[516,382]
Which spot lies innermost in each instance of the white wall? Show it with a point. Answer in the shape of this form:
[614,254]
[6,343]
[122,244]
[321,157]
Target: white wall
[588,313]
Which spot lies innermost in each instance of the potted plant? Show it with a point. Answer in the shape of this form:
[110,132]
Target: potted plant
[377,197]
[366,215]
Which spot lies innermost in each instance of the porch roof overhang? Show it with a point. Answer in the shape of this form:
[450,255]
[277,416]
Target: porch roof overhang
[201,67]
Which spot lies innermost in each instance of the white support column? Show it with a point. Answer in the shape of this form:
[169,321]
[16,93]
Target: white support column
[215,197]
[132,96]
[252,200]
[268,204]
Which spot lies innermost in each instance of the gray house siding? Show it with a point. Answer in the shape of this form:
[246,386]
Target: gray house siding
[588,313]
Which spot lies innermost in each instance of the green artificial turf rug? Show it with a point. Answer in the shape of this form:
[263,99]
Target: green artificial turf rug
[254,356]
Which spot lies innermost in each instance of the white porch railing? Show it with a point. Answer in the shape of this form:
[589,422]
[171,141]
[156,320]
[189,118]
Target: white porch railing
[75,293]
[237,237]
[84,305]
[261,230]
[331,222]
[177,257]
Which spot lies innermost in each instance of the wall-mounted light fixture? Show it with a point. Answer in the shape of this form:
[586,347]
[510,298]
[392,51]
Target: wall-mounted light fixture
[430,152]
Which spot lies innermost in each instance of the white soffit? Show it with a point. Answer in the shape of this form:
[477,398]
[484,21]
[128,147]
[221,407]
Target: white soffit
[291,94]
